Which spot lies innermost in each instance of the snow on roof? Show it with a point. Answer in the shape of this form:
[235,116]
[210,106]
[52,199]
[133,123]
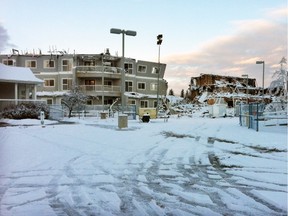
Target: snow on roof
[203,97]
[139,95]
[207,95]
[221,83]
[51,94]
[239,85]
[17,75]
[172,99]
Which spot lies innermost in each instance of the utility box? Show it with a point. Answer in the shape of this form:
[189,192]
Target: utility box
[123,121]
[218,109]
[103,115]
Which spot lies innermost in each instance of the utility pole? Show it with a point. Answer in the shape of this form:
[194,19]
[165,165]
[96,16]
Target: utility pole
[159,42]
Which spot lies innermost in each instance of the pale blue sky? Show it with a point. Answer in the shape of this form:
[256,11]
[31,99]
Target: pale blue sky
[199,36]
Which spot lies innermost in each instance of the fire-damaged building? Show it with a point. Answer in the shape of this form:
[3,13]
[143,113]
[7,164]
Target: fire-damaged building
[208,87]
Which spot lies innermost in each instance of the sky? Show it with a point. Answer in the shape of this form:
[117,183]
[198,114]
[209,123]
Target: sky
[199,36]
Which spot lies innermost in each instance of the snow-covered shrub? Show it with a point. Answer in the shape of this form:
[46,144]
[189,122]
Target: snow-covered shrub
[25,111]
[278,105]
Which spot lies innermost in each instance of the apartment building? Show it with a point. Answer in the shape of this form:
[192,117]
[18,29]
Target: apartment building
[97,75]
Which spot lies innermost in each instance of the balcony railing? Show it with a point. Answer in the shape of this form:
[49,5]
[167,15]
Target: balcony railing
[97,69]
[100,88]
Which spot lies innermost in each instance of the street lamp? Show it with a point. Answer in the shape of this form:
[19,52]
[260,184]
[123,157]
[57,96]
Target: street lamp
[159,42]
[129,33]
[262,62]
[246,76]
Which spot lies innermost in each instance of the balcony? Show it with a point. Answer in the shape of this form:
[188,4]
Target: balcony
[95,90]
[98,71]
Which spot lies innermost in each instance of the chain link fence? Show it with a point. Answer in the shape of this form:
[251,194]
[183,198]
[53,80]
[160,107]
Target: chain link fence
[259,116]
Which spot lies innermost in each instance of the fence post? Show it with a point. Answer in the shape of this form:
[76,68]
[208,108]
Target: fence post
[240,114]
[257,116]
[42,116]
[248,117]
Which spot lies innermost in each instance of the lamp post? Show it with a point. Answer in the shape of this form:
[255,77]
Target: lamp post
[246,76]
[103,57]
[129,33]
[159,42]
[262,62]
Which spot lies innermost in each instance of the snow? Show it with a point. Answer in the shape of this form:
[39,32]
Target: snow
[273,197]
[203,97]
[172,99]
[186,166]
[50,93]
[139,95]
[17,74]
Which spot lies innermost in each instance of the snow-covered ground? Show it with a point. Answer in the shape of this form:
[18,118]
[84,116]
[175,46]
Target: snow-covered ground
[186,166]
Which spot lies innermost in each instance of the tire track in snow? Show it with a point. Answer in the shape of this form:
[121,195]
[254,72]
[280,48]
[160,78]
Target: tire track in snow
[156,187]
[22,190]
[135,190]
[205,182]
[259,204]
[216,180]
[58,203]
[161,184]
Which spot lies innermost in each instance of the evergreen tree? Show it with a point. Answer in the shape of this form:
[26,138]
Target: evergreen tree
[182,93]
[171,92]
[186,94]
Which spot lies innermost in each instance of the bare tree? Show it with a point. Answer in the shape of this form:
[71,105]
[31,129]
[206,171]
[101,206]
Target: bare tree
[74,99]
[279,85]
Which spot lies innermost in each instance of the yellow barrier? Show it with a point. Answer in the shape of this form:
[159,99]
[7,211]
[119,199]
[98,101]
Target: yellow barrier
[145,111]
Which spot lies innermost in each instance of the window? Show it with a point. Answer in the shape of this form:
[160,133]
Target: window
[128,67]
[22,94]
[129,86]
[108,101]
[49,82]
[132,102]
[49,101]
[153,86]
[154,70]
[142,68]
[49,63]
[10,62]
[107,82]
[155,104]
[66,84]
[143,104]
[141,85]
[108,85]
[30,63]
[66,65]
[90,82]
